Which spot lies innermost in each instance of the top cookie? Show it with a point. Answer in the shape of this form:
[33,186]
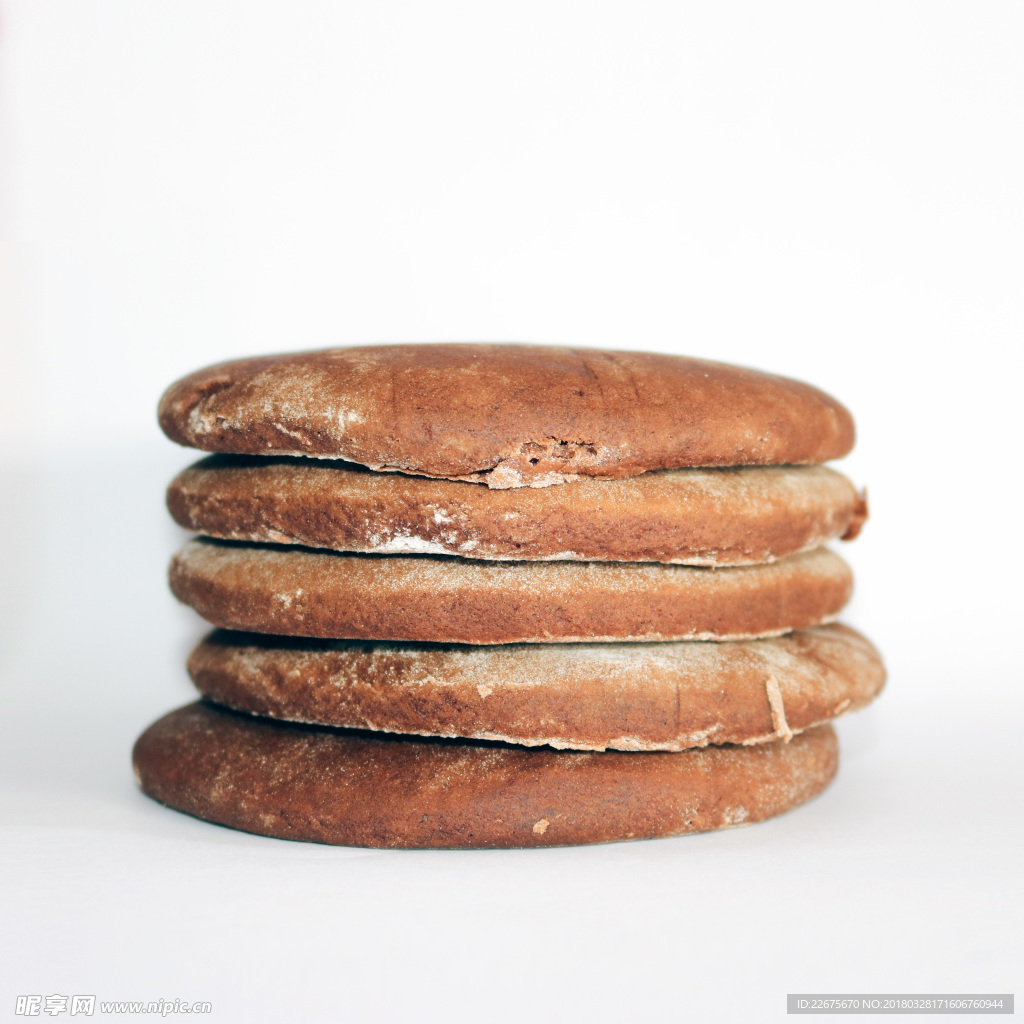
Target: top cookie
[505,415]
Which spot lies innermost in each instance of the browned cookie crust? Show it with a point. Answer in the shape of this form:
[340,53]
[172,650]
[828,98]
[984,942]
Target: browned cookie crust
[358,789]
[299,592]
[690,516]
[668,696]
[507,415]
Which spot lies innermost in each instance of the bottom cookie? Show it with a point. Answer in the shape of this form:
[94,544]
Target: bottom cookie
[366,789]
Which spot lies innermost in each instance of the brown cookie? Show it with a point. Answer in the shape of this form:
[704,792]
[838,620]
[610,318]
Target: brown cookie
[358,789]
[667,696]
[506,415]
[299,592]
[689,516]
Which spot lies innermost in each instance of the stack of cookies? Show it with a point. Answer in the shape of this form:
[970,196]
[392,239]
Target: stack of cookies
[507,595]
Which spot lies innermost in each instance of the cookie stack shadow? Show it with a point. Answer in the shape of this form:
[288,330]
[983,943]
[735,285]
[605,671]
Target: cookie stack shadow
[507,596]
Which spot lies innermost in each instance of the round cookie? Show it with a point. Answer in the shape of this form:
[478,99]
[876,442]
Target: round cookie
[358,789]
[687,516]
[667,696]
[299,592]
[505,415]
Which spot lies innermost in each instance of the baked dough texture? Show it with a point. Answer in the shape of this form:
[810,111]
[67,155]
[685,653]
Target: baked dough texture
[359,789]
[668,696]
[299,592]
[505,415]
[689,516]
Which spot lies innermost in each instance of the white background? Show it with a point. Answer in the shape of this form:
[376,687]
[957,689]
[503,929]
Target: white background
[831,191]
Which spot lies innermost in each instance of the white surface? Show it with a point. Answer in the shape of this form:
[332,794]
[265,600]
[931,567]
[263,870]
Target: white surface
[904,876]
[822,190]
